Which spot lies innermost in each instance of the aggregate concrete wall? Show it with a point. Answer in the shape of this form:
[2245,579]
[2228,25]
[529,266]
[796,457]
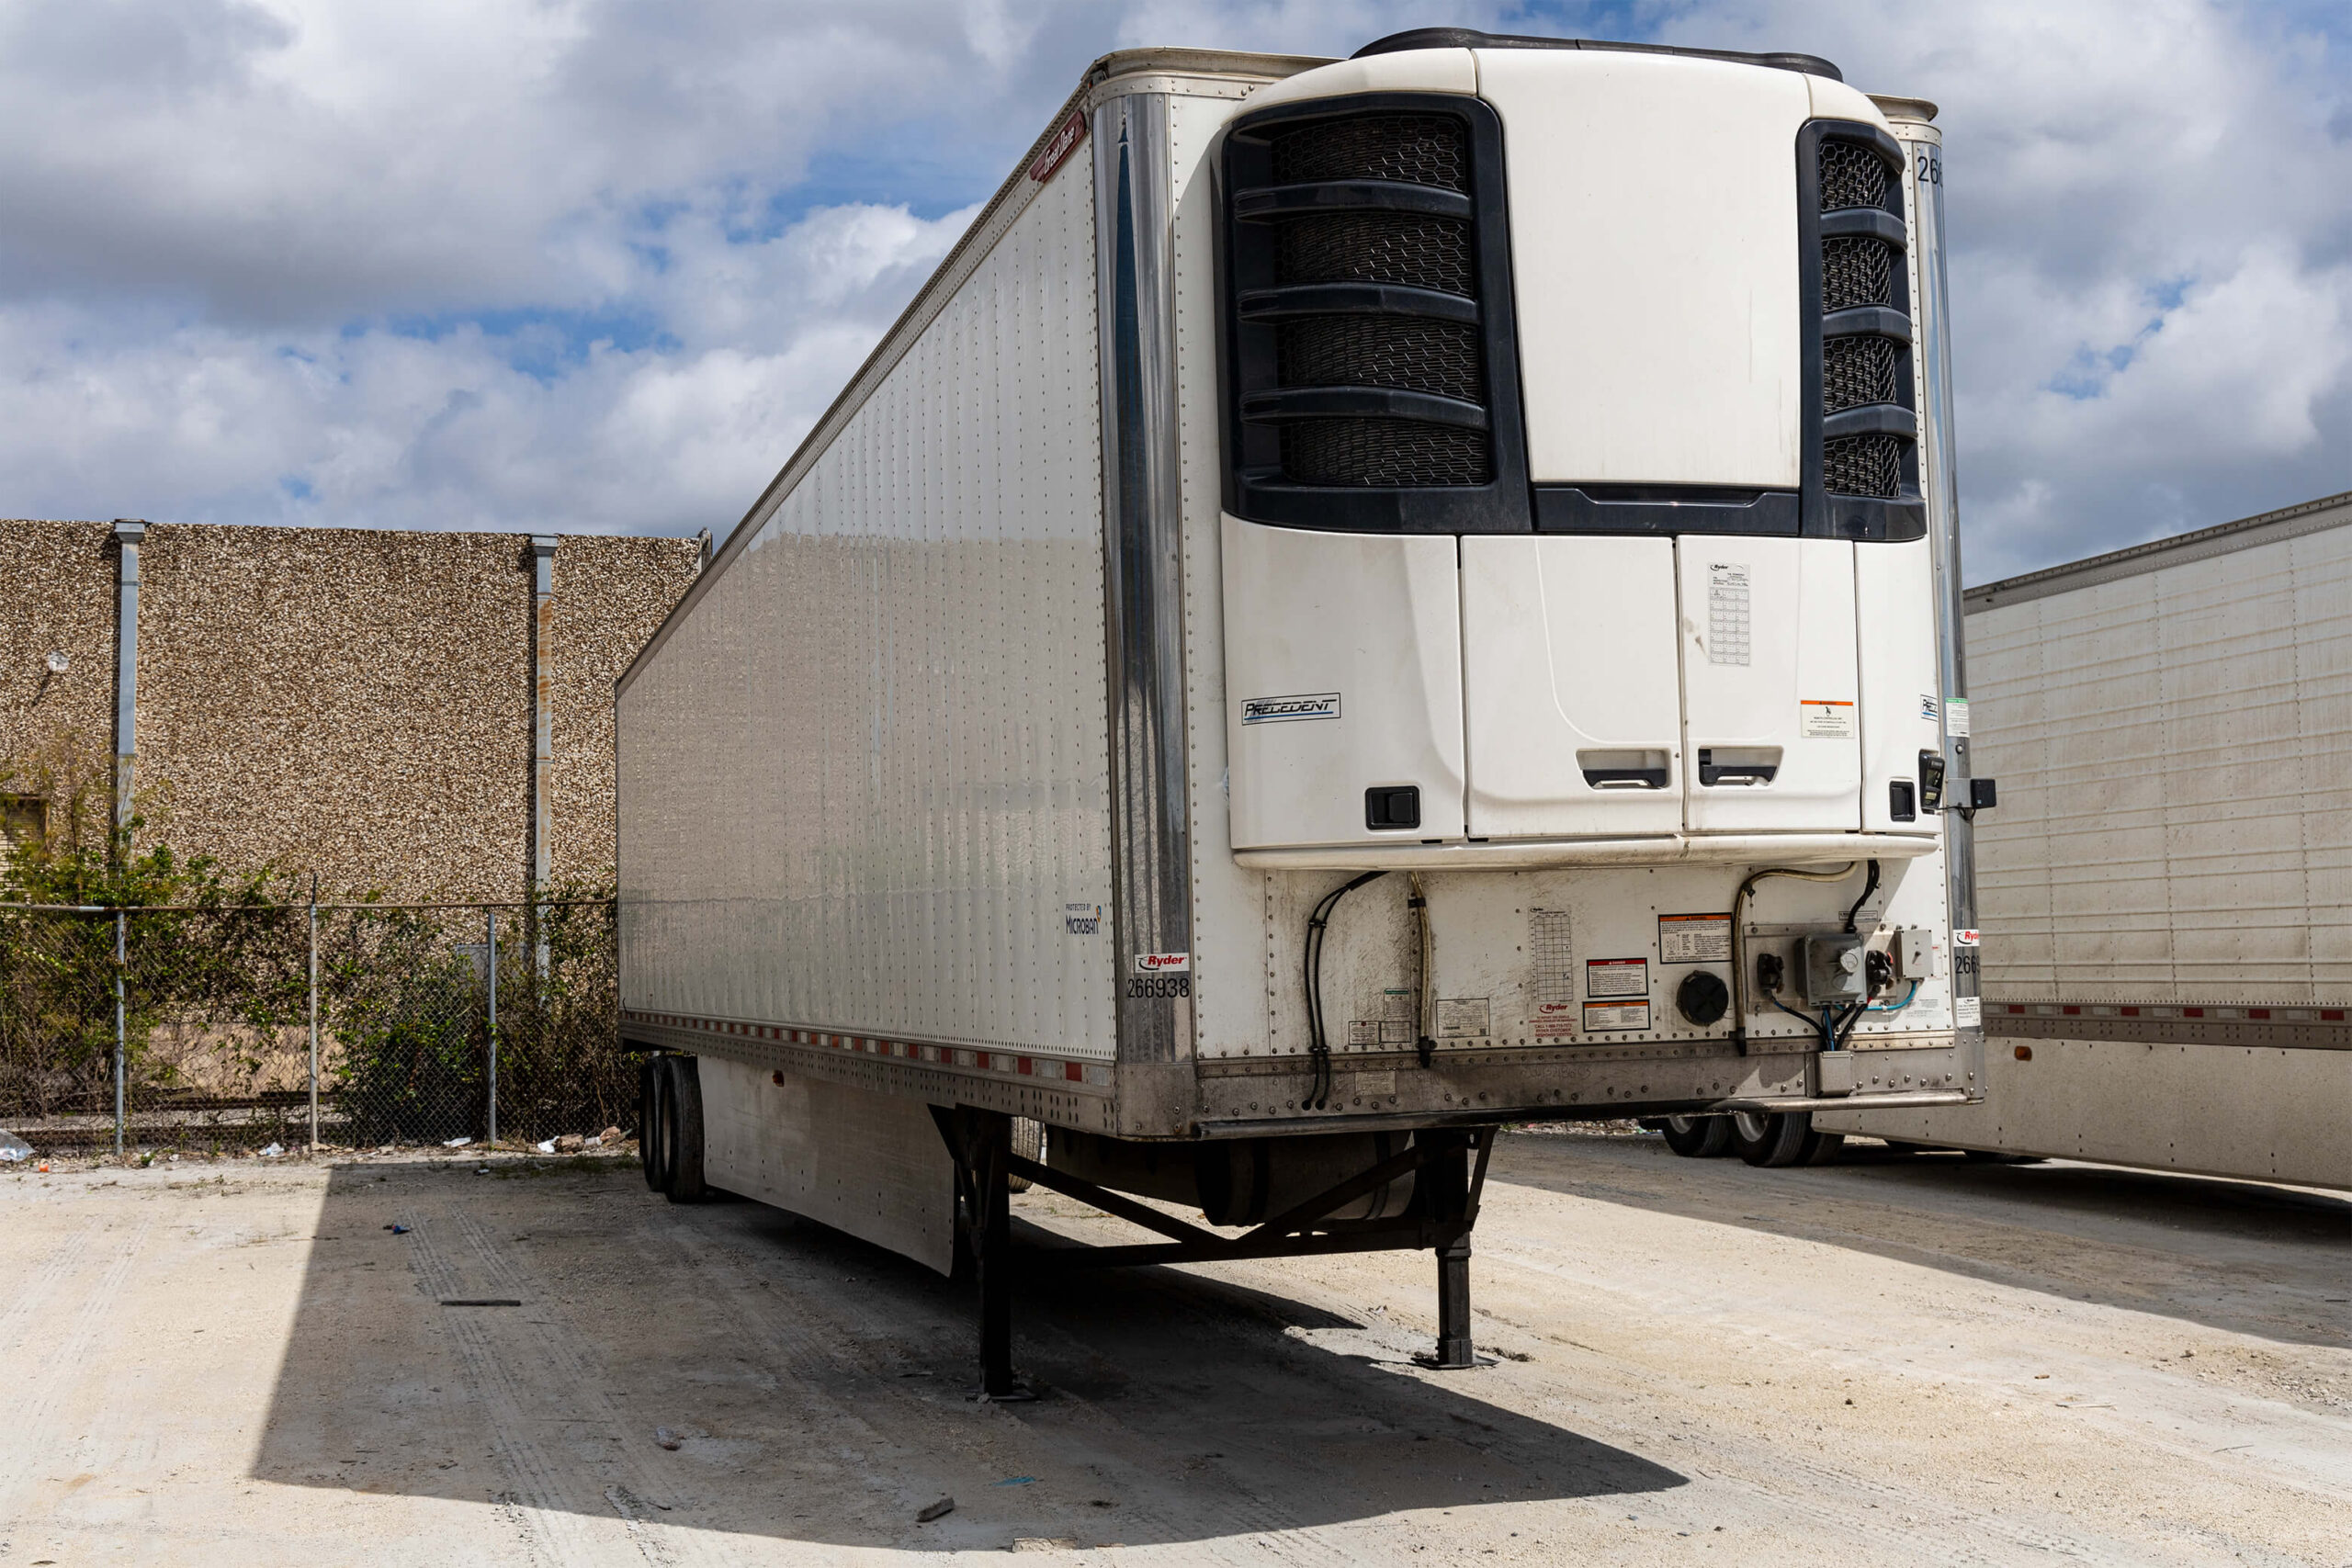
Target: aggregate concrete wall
[356,703]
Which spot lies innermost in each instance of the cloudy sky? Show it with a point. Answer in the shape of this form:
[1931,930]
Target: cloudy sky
[597,264]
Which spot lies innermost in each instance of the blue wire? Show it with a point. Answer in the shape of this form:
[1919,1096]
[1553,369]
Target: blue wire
[1907,995]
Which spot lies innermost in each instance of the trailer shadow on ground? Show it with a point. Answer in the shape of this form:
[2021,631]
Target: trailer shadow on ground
[730,1367]
[2201,1249]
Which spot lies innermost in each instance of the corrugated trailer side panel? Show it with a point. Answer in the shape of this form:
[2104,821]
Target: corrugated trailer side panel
[2174,825]
[863,786]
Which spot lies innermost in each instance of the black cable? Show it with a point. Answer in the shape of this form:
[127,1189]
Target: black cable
[1319,1049]
[1869,888]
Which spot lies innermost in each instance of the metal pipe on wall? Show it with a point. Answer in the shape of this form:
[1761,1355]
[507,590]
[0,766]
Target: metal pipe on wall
[543,547]
[129,534]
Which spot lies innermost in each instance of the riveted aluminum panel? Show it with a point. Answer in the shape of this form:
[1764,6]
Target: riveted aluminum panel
[864,783]
[2175,819]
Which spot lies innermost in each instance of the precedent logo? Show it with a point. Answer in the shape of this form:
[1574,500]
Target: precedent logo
[1284,710]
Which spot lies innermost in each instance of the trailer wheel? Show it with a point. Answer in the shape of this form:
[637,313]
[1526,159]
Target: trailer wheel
[1029,1143]
[1698,1137]
[651,1146]
[1775,1141]
[682,1130]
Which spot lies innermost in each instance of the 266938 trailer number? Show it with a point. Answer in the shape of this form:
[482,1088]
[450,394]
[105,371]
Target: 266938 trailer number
[1159,985]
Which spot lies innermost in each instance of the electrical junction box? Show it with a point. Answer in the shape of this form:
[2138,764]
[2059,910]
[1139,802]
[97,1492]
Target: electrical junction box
[1914,951]
[1832,968]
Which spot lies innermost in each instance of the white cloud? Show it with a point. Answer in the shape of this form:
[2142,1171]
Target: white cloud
[600,262]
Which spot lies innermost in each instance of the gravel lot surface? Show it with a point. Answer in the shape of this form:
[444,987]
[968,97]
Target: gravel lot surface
[1896,1360]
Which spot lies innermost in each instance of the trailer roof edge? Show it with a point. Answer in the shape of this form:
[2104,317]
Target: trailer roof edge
[1118,67]
[2268,527]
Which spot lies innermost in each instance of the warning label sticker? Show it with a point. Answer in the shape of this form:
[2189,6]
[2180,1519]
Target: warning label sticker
[1615,1018]
[1694,939]
[1617,978]
[1968,1012]
[1727,614]
[1826,720]
[1956,717]
[1363,1031]
[1461,1017]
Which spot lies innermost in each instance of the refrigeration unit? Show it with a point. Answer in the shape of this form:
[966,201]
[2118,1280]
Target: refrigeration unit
[1365,600]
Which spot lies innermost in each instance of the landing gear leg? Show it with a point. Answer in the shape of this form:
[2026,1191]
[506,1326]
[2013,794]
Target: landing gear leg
[981,1142]
[1454,1352]
[1452,1185]
[993,1223]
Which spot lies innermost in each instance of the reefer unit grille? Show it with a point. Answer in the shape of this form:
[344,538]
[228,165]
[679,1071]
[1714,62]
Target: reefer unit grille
[1856,272]
[1856,235]
[1384,452]
[1851,175]
[1371,376]
[1420,149]
[1377,247]
[1408,352]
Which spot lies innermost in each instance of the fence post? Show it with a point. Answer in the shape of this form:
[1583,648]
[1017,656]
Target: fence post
[314,1012]
[119,1065]
[493,1026]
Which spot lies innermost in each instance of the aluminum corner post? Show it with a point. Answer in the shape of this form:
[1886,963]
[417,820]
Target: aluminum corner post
[130,533]
[1922,179]
[1143,618]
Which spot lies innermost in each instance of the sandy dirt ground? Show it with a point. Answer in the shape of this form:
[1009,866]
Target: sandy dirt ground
[1894,1360]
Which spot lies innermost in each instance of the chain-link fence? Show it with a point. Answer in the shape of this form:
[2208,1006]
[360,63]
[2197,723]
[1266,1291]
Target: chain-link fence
[346,1025]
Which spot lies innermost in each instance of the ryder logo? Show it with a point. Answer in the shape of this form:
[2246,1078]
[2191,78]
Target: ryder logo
[1284,710]
[1163,962]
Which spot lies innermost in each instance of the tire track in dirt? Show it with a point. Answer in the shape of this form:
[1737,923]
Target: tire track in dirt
[538,1504]
[555,1362]
[33,1289]
[27,1435]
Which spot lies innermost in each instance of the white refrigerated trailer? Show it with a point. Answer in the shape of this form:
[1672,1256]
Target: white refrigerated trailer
[1364,600]
[2166,896]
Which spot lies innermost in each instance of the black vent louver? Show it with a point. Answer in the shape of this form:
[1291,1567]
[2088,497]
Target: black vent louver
[1861,458]
[1371,376]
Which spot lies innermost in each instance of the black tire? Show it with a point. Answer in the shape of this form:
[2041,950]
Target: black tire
[1029,1143]
[1698,1137]
[682,1133]
[648,1121]
[1775,1141]
[1832,1145]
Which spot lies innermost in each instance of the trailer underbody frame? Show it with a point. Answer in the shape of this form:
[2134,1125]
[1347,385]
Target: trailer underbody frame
[1449,1170]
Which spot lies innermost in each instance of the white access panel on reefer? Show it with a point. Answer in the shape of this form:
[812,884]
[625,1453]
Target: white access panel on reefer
[1568,665]
[1343,672]
[1770,686]
[1677,312]
[1901,702]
